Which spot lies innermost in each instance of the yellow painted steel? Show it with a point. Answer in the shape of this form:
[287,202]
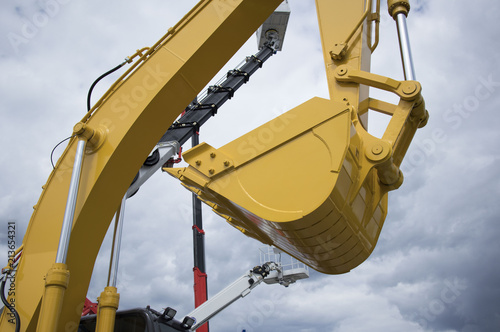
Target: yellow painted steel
[326,209]
[56,283]
[132,117]
[327,212]
[106,310]
[345,42]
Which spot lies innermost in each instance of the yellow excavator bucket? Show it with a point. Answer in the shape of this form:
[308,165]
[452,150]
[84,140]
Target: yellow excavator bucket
[307,182]
[313,182]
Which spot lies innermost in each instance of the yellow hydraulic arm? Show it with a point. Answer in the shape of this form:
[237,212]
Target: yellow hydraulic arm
[327,213]
[120,133]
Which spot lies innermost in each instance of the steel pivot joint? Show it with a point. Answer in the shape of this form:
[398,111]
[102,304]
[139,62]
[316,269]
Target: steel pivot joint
[94,137]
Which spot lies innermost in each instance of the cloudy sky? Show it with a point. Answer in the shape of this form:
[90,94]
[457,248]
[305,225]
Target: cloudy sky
[436,266]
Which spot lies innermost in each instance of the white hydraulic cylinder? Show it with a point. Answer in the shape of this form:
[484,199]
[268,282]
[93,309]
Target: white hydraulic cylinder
[238,289]
[165,152]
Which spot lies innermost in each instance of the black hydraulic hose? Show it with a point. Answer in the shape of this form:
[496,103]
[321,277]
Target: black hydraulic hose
[100,78]
[54,149]
[8,306]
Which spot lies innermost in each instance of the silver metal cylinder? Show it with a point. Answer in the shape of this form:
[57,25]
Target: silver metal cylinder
[117,240]
[404,44]
[69,213]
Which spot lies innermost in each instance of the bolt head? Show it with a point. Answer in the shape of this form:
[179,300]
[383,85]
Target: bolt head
[377,149]
[79,128]
[342,71]
[409,88]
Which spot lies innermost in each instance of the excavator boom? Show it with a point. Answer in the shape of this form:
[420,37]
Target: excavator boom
[121,132]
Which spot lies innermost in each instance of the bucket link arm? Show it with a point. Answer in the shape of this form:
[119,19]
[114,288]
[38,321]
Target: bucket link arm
[406,90]
[386,154]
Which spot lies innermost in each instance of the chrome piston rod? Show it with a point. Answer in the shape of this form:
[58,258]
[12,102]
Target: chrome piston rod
[404,44]
[69,213]
[117,239]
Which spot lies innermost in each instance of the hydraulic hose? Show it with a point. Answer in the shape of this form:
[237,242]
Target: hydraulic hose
[100,78]
[8,306]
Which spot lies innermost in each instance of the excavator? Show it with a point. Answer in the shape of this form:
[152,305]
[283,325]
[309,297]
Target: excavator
[326,213]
